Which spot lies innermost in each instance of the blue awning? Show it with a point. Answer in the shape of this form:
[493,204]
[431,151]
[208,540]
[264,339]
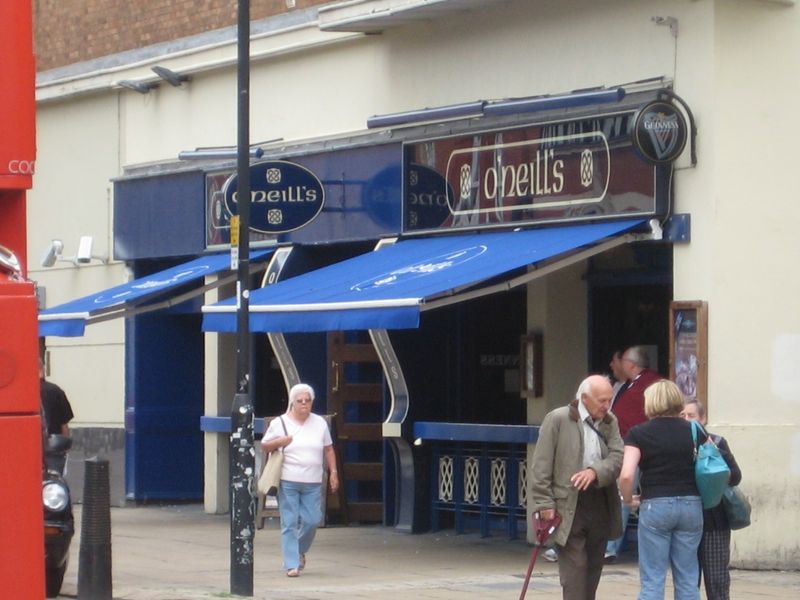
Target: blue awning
[140,295]
[387,288]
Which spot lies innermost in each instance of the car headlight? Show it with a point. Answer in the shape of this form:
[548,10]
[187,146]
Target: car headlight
[55,496]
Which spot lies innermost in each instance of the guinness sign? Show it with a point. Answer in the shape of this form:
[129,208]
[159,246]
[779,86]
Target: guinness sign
[659,132]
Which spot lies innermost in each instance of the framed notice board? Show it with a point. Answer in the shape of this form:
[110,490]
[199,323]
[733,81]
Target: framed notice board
[531,366]
[688,348]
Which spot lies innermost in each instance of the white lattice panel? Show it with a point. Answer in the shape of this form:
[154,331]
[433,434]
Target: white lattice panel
[446,478]
[471,479]
[522,483]
[498,495]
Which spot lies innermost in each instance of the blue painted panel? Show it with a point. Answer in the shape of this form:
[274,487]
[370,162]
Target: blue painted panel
[223,425]
[476,432]
[159,216]
[163,405]
[362,198]
[362,194]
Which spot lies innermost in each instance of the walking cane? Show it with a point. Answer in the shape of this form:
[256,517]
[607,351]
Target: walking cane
[542,531]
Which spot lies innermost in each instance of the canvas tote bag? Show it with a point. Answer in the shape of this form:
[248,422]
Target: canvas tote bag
[270,479]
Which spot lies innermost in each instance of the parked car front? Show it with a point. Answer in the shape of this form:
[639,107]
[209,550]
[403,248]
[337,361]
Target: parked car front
[59,524]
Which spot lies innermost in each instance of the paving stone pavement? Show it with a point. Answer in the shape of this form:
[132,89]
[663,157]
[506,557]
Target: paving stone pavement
[178,552]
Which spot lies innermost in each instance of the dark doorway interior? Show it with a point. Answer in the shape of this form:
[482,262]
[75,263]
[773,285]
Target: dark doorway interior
[630,306]
[462,364]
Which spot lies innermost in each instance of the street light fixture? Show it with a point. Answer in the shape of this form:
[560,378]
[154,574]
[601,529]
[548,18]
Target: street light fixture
[170,76]
[137,86]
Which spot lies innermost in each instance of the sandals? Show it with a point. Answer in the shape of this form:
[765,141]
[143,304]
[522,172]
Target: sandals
[296,571]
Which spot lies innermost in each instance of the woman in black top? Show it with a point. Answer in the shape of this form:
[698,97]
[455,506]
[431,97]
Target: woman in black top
[715,547]
[670,509]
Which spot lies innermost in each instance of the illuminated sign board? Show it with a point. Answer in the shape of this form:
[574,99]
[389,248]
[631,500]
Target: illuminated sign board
[582,169]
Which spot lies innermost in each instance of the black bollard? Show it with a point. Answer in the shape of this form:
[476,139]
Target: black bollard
[94,564]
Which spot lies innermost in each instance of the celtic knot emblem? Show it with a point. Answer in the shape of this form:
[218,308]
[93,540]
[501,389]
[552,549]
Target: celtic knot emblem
[466,181]
[273,175]
[275,216]
[587,168]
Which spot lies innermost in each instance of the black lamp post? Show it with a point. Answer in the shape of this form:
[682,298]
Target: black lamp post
[242,457]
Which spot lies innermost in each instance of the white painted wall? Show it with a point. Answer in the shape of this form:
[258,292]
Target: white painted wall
[77,154]
[754,279]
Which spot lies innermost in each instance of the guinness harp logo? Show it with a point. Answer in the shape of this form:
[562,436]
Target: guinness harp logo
[659,132]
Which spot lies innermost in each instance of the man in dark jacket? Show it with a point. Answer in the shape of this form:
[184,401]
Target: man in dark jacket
[575,467]
[56,407]
[628,407]
[629,404]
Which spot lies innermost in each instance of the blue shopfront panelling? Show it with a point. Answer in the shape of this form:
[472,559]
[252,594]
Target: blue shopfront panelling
[362,197]
[363,194]
[159,216]
[163,405]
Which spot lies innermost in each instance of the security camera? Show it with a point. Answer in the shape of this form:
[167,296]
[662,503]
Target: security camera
[84,255]
[52,253]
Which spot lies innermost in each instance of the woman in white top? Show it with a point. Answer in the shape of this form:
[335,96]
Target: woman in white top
[305,439]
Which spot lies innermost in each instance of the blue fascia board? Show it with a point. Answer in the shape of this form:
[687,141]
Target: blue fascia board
[476,432]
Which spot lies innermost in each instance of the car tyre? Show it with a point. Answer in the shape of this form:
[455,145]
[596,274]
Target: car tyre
[53,580]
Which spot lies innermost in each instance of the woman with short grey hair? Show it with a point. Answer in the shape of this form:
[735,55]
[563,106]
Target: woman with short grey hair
[306,440]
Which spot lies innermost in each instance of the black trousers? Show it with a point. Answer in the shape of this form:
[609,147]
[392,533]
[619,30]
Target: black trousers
[580,560]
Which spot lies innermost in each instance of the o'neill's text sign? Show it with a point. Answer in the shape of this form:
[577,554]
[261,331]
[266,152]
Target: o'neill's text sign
[582,169]
[285,196]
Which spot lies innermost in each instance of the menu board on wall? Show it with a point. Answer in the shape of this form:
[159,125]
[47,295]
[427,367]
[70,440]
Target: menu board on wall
[689,348]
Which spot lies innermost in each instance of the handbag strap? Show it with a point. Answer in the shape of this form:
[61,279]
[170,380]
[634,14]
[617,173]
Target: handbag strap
[709,438]
[284,430]
[695,427]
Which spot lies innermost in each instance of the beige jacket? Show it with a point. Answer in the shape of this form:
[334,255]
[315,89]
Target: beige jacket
[559,455]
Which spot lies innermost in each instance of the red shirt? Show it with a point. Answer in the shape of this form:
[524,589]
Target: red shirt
[629,405]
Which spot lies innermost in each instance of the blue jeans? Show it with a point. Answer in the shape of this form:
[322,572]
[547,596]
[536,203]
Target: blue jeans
[670,530]
[614,547]
[299,506]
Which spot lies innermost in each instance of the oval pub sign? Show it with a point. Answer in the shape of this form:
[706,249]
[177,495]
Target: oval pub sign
[284,196]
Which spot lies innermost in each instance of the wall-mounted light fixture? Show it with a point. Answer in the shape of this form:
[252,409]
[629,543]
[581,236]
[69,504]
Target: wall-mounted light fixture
[143,87]
[170,76]
[83,256]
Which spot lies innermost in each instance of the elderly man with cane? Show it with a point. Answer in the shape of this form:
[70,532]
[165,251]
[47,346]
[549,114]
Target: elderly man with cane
[575,466]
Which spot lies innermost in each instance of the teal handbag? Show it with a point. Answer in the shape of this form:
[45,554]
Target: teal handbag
[711,472]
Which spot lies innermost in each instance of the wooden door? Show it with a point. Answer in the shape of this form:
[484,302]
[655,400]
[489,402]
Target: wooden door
[355,396]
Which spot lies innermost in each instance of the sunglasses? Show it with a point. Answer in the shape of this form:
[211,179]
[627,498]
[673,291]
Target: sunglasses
[303,401]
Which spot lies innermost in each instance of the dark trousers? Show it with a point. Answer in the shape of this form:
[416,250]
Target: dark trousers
[715,557]
[580,560]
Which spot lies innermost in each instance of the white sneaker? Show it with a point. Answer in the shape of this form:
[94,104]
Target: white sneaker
[550,555]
